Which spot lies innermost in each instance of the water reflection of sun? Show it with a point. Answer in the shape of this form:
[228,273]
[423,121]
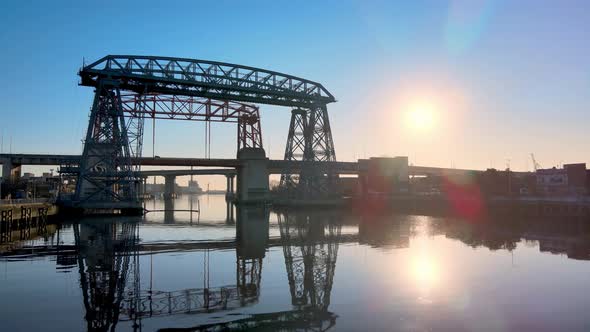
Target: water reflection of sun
[425,272]
[425,275]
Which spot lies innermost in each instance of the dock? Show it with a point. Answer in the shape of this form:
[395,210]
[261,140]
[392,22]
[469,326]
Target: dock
[19,219]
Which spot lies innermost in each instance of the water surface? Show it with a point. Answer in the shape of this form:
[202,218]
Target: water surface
[297,270]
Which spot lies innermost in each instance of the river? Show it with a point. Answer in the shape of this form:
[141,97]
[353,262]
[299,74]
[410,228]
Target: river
[340,270]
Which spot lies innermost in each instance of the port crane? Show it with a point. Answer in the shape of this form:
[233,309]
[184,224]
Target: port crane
[536,165]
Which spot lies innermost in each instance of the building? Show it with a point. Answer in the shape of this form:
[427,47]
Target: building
[385,175]
[193,187]
[566,181]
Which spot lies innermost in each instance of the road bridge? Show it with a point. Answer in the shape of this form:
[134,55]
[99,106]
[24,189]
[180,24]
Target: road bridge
[69,164]
[11,162]
[171,175]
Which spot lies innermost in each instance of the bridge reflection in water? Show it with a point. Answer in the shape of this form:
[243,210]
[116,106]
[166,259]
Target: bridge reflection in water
[108,256]
[108,259]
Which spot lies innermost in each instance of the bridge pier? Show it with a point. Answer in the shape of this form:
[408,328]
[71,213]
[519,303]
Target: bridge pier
[252,176]
[229,191]
[11,172]
[169,211]
[169,186]
[363,177]
[142,187]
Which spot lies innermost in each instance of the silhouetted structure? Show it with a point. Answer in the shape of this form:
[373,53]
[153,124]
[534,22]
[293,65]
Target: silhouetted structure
[310,246]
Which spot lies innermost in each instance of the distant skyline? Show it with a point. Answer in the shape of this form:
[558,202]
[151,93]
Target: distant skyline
[501,79]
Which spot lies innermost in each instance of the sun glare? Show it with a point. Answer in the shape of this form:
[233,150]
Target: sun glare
[425,272]
[421,116]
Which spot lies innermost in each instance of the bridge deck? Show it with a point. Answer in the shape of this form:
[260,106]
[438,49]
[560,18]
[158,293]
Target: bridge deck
[275,166]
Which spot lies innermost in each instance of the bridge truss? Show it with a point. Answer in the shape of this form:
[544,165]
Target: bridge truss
[208,79]
[309,139]
[189,108]
[187,89]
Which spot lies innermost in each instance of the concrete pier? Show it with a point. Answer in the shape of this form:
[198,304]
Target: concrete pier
[169,186]
[229,191]
[252,176]
[11,172]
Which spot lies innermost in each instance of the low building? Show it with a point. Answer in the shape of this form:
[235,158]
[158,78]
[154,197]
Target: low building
[385,175]
[569,180]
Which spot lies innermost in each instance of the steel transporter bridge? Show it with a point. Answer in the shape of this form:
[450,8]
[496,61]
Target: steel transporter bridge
[130,89]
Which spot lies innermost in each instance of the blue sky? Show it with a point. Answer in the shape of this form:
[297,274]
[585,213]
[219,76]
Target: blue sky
[506,78]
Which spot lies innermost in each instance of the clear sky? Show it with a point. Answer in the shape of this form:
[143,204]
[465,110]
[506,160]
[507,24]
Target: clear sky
[493,80]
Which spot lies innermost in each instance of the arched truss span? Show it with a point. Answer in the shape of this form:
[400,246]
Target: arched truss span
[209,79]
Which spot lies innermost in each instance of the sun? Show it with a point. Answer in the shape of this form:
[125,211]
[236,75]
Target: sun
[420,116]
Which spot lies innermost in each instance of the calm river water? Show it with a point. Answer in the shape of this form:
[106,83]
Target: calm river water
[297,270]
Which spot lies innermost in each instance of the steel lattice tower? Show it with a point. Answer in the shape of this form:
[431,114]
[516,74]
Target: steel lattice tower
[106,169]
[309,139]
[295,149]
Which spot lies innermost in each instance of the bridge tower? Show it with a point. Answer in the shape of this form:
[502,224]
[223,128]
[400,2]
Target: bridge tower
[106,178]
[309,139]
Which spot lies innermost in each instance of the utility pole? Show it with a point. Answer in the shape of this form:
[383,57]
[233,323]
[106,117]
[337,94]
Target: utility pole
[509,179]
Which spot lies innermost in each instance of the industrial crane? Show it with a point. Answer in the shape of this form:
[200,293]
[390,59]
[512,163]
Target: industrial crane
[536,165]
